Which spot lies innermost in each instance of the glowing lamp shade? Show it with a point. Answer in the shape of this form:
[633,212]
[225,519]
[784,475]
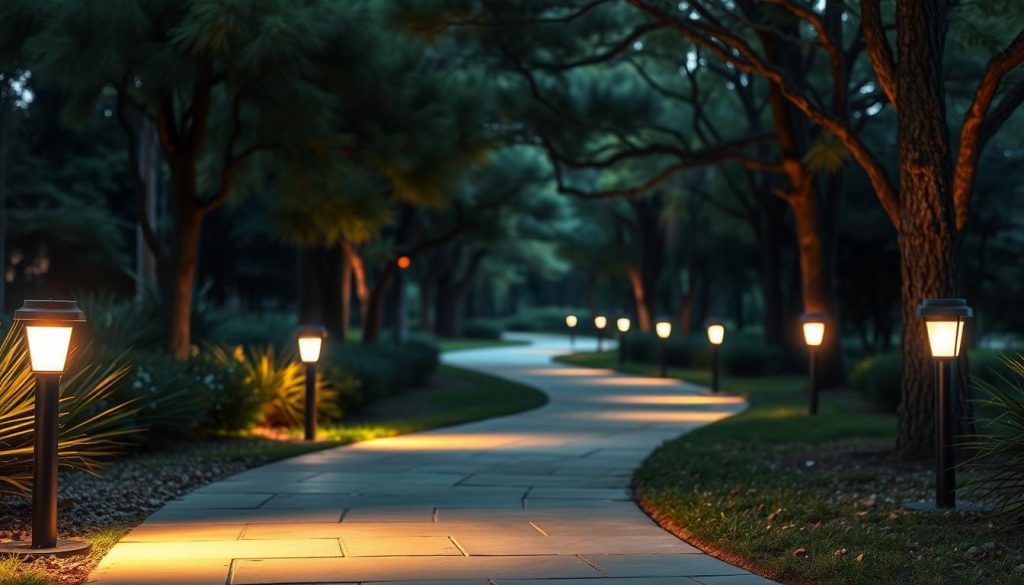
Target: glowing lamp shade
[663,329]
[309,349]
[311,341]
[404,262]
[716,333]
[48,347]
[571,321]
[48,326]
[813,325]
[622,323]
[600,321]
[814,333]
[944,320]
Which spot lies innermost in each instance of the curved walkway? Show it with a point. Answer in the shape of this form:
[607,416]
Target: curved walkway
[541,497]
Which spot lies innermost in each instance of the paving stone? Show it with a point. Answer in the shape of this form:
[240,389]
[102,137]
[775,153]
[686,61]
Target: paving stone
[330,570]
[153,532]
[398,546]
[734,580]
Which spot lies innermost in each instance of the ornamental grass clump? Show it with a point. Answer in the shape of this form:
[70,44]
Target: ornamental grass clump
[278,379]
[998,460]
[93,422]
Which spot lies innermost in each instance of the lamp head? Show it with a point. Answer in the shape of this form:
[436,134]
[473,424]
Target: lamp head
[663,329]
[48,326]
[571,321]
[311,341]
[944,319]
[404,262]
[716,331]
[622,324]
[600,321]
[814,328]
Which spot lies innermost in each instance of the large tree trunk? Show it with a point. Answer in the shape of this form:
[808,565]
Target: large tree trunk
[185,254]
[642,298]
[926,213]
[375,306]
[359,275]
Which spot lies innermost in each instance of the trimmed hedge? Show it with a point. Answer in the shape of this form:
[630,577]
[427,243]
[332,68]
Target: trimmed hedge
[482,329]
[741,355]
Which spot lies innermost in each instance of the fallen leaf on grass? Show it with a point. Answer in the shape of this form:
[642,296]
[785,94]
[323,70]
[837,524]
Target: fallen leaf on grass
[860,557]
[774,514]
[799,551]
[839,552]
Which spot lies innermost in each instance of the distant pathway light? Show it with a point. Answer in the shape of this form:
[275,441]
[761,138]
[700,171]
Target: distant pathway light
[311,341]
[622,324]
[716,335]
[663,329]
[600,322]
[571,321]
[813,325]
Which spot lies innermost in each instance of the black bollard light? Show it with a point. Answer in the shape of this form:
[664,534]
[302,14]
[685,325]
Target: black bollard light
[716,335]
[48,328]
[571,321]
[600,322]
[622,324]
[944,319]
[664,330]
[814,332]
[311,340]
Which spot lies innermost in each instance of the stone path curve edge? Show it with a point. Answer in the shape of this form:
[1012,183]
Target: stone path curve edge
[537,498]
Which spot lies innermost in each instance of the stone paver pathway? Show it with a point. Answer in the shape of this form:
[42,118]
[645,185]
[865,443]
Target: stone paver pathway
[541,497]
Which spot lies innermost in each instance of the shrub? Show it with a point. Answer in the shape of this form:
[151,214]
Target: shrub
[93,424]
[680,351]
[878,377]
[482,329]
[230,404]
[384,369]
[257,330]
[750,357]
[546,319]
[999,446]
[278,380]
[169,402]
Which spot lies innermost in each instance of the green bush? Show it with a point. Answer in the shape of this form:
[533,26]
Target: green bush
[482,329]
[385,369]
[93,422]
[680,351]
[750,357]
[550,319]
[999,444]
[878,377]
[230,404]
[169,402]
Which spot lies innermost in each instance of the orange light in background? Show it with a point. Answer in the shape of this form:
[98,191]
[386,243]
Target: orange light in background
[404,262]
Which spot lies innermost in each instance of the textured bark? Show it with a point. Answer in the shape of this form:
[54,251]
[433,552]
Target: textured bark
[643,301]
[185,260]
[359,277]
[926,210]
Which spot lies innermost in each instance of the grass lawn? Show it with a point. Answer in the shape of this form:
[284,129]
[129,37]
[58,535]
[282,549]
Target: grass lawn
[454,396]
[804,499]
[460,344]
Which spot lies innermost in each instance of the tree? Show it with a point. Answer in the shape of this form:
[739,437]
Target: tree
[220,82]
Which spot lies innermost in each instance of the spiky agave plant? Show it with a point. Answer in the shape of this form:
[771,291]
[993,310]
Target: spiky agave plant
[998,459]
[279,378]
[92,427]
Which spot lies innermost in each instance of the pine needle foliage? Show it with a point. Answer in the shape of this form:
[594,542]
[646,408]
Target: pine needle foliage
[999,446]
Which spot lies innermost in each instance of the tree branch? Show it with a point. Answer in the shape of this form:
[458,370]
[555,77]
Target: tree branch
[878,47]
[971,141]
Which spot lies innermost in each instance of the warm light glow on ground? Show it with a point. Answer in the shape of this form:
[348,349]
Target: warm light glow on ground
[670,399]
[627,381]
[459,441]
[568,372]
[656,416]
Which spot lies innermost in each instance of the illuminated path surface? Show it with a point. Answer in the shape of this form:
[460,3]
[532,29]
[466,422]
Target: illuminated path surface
[541,497]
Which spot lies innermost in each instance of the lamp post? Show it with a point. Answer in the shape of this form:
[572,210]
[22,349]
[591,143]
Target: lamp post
[814,332]
[311,340]
[571,321]
[622,324]
[944,319]
[401,317]
[48,327]
[664,330]
[600,322]
[716,335]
